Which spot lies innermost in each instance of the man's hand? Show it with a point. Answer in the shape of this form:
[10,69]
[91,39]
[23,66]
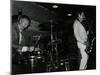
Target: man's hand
[25,49]
[31,48]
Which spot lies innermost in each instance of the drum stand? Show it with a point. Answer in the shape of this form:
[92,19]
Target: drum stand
[52,66]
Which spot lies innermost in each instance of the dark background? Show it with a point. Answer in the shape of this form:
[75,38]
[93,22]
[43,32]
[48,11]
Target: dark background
[43,13]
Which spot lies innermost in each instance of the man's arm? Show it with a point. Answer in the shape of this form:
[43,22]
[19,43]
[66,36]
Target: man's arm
[16,46]
[15,43]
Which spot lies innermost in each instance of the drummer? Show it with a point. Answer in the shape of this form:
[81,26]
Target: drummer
[19,25]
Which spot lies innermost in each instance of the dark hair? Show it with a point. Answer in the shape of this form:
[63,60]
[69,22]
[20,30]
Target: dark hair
[80,11]
[24,17]
[17,18]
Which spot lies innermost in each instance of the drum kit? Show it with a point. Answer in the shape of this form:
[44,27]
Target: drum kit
[35,56]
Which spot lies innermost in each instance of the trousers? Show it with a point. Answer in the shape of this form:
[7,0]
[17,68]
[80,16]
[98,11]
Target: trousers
[84,56]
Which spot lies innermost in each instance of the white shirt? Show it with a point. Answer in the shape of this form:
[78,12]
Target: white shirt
[20,37]
[79,32]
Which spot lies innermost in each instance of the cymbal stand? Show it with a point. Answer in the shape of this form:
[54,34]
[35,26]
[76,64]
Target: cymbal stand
[56,51]
[53,49]
[51,65]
